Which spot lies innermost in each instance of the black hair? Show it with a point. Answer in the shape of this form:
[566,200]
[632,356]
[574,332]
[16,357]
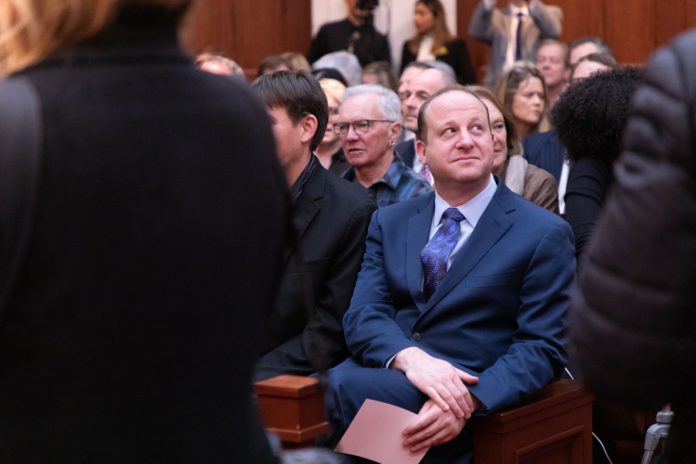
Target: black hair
[590,116]
[299,94]
[602,46]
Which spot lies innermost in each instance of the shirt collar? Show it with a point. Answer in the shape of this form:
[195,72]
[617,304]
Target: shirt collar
[515,9]
[472,209]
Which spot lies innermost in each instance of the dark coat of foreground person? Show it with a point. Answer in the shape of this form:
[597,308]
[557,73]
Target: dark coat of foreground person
[160,219]
[632,320]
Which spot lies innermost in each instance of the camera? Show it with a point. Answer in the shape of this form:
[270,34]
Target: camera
[367,4]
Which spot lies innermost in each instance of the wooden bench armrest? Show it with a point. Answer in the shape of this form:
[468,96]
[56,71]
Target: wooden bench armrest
[292,407]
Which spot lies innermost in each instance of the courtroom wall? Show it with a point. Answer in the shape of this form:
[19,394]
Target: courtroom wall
[249,30]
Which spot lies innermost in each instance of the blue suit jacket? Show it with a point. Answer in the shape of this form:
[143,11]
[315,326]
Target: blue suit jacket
[545,151]
[499,311]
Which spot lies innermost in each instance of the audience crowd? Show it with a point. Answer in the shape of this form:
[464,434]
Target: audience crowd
[422,242]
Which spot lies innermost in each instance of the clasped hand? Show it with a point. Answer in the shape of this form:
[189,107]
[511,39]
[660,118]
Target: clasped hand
[441,381]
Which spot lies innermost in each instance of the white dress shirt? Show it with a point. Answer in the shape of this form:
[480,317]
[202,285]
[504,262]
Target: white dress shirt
[512,43]
[472,211]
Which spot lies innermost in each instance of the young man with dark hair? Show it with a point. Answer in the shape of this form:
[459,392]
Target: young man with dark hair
[303,333]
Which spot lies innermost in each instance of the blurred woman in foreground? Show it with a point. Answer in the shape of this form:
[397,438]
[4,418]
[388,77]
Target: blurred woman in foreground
[129,331]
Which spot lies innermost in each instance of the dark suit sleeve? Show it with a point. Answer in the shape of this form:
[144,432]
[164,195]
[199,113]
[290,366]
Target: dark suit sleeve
[318,47]
[406,57]
[321,344]
[549,19]
[371,331]
[461,62]
[537,354]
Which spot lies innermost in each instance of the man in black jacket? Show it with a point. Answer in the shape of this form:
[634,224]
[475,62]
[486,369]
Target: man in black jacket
[356,33]
[304,332]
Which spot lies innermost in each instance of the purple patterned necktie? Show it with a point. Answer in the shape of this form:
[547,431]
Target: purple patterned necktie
[436,252]
[518,37]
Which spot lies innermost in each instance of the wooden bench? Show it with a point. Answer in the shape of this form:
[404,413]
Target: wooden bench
[555,428]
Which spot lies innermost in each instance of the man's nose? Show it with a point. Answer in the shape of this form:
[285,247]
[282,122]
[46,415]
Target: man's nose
[351,134]
[464,139]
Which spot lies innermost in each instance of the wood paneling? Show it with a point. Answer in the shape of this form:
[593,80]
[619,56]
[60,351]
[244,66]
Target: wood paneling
[249,30]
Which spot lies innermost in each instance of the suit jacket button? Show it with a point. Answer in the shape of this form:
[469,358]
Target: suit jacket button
[417,337]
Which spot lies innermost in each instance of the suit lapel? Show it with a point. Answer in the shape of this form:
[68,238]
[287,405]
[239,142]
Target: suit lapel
[308,204]
[417,236]
[492,225]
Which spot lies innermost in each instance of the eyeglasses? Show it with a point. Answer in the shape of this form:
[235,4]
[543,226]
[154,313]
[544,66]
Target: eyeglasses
[361,126]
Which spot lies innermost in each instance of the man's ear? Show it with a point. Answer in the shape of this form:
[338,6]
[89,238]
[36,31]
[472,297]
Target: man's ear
[420,151]
[309,124]
[394,132]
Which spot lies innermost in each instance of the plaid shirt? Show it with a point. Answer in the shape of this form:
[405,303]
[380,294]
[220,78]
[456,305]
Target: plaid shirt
[399,183]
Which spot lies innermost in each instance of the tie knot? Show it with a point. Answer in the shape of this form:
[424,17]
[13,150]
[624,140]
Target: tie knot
[454,214]
[520,15]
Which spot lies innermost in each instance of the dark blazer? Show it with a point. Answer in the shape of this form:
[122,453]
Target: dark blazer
[128,336]
[368,44]
[545,150]
[498,313]
[406,150]
[455,53]
[304,332]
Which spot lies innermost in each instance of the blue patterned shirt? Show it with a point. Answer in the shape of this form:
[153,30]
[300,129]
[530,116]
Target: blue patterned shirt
[399,183]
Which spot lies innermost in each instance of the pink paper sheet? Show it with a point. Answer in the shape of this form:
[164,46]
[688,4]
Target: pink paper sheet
[376,434]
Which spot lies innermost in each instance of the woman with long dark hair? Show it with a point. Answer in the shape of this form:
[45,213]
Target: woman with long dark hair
[433,41]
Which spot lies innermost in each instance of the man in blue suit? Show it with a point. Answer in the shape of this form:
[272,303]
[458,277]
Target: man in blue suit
[459,305]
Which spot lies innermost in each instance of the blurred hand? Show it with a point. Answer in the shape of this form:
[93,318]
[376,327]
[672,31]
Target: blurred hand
[440,380]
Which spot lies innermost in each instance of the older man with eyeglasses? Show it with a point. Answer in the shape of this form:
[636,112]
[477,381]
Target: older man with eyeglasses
[369,125]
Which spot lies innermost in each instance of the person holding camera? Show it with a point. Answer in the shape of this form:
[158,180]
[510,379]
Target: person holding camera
[356,34]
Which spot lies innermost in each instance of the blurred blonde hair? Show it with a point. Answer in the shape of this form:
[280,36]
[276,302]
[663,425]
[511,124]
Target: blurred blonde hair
[333,88]
[32,29]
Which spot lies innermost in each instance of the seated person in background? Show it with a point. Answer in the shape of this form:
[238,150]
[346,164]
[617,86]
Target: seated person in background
[271,64]
[513,31]
[545,149]
[551,59]
[592,64]
[520,176]
[590,118]
[218,64]
[303,332]
[460,301]
[584,46]
[433,41]
[297,61]
[523,92]
[356,34]
[419,81]
[344,62]
[329,152]
[380,73]
[369,122]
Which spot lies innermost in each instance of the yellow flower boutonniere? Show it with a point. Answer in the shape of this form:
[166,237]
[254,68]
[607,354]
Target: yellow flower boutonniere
[441,50]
